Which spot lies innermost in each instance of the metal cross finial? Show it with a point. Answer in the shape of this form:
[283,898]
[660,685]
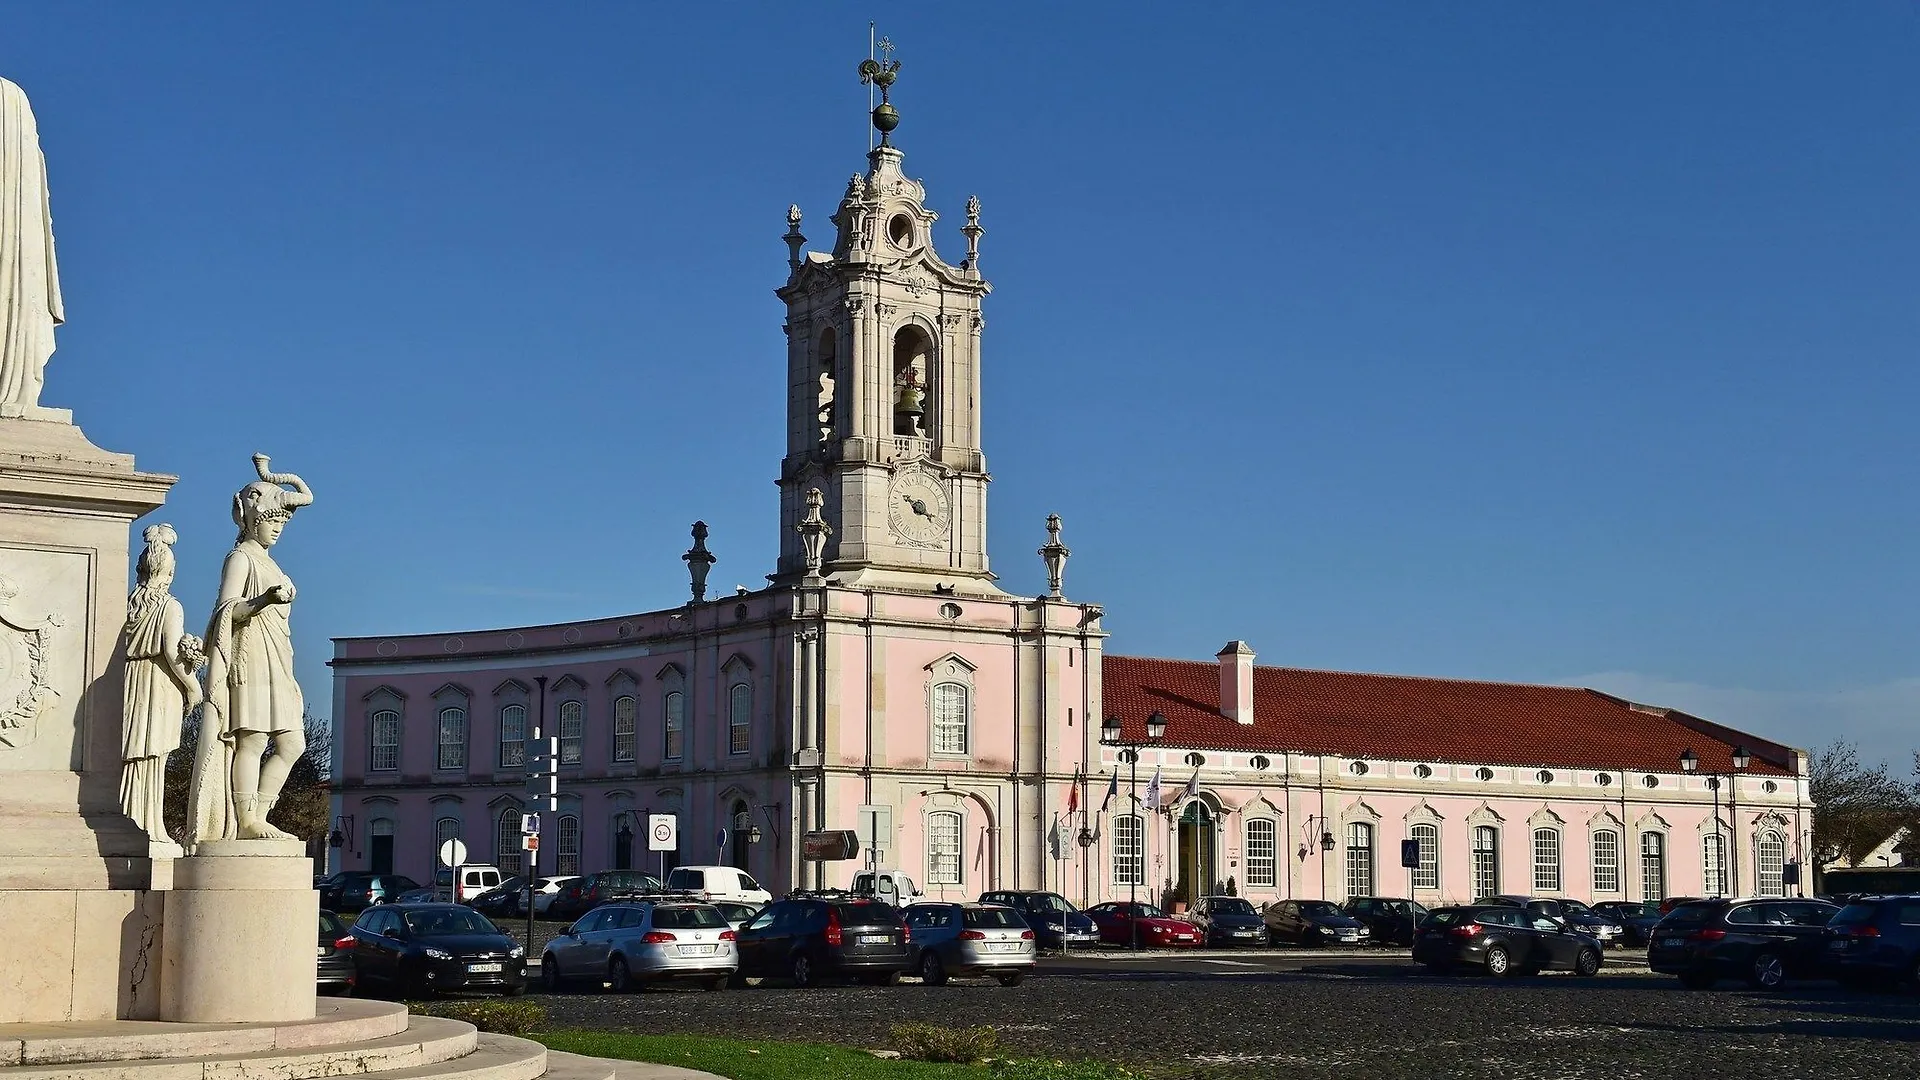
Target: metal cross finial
[880,73]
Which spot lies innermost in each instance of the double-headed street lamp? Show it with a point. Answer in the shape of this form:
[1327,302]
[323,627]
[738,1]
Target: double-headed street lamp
[1729,854]
[1110,736]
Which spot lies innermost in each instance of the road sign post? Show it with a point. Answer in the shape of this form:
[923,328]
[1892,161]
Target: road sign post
[663,835]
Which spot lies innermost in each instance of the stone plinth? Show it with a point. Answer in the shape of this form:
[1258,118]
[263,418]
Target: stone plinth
[240,924]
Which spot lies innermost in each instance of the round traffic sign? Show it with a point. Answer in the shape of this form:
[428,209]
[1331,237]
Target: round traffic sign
[663,831]
[453,853]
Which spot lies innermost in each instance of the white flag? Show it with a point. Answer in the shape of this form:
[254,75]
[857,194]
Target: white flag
[1153,790]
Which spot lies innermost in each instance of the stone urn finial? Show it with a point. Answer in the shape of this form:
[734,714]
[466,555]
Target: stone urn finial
[1054,553]
[814,530]
[699,560]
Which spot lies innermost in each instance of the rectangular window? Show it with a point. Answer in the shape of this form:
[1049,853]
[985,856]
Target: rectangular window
[453,740]
[1653,867]
[673,725]
[573,730]
[1260,853]
[1606,861]
[1129,862]
[949,718]
[739,718]
[566,846]
[1713,865]
[1486,861]
[513,737]
[1546,860]
[507,842]
[943,849]
[1771,852]
[1359,859]
[625,728]
[1427,874]
[384,753]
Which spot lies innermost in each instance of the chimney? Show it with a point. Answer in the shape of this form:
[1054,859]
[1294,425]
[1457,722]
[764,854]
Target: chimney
[1236,682]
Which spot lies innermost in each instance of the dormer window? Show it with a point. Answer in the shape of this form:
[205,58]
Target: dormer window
[900,231]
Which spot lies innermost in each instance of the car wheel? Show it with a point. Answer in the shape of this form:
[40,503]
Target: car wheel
[619,976]
[1587,963]
[1696,980]
[1498,962]
[1012,978]
[1767,972]
[550,975]
[932,971]
[802,971]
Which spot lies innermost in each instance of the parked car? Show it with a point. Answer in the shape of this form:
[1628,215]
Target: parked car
[1313,922]
[1765,942]
[970,939]
[1876,940]
[630,944]
[1389,920]
[460,884]
[1667,905]
[581,895]
[352,890]
[717,883]
[426,894]
[417,949]
[1571,914]
[810,938]
[1637,918]
[544,890]
[1124,922]
[1055,922]
[1228,920]
[1503,939]
[334,971]
[503,900]
[737,914]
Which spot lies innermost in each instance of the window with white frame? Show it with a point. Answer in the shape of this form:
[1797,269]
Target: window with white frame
[1262,846]
[383,734]
[573,731]
[1771,863]
[1546,860]
[506,846]
[626,729]
[1713,864]
[1359,859]
[444,829]
[1486,861]
[1426,838]
[1606,861]
[566,845]
[739,718]
[943,848]
[950,707]
[1653,866]
[1129,851]
[673,725]
[452,752]
[513,736]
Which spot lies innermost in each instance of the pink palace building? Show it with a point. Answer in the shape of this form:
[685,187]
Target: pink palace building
[883,683]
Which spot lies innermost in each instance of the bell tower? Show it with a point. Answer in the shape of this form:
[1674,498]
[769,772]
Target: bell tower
[883,387]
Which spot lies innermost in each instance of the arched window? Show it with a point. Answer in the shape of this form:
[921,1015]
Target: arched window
[506,841]
[1427,837]
[513,737]
[1486,861]
[673,727]
[1713,864]
[566,845]
[383,734]
[626,728]
[913,395]
[573,730]
[1771,850]
[1359,859]
[739,718]
[740,826]
[1129,851]
[823,397]
[452,752]
[1606,861]
[943,848]
[444,829]
[1653,866]
[950,708]
[1261,848]
[1546,860]
[380,845]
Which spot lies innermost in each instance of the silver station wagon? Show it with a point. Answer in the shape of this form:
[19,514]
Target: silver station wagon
[970,939]
[631,943]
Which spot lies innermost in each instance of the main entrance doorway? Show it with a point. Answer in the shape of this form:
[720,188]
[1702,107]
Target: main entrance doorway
[1197,856]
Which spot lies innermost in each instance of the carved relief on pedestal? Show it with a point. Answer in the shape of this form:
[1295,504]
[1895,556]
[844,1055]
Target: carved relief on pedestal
[24,693]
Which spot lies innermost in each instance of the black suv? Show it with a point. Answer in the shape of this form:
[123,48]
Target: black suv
[1389,919]
[1762,941]
[1505,940]
[1876,939]
[808,938]
[352,890]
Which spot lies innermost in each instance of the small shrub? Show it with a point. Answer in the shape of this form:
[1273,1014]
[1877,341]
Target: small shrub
[502,1016]
[1036,1069]
[931,1042]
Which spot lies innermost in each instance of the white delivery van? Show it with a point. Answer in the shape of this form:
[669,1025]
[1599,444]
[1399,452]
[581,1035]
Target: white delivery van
[717,883]
[463,883]
[892,886]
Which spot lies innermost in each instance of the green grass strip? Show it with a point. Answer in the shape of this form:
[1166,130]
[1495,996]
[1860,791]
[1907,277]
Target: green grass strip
[754,1059]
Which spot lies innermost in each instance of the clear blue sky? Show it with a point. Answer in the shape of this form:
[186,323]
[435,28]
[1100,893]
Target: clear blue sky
[1514,341]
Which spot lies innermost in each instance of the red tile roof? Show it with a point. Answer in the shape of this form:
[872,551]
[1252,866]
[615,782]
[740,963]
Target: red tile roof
[1407,718]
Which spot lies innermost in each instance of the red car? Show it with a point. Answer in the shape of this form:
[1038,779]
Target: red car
[1120,920]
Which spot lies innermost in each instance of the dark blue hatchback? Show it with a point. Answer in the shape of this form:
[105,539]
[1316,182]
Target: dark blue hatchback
[1055,922]
[1876,939]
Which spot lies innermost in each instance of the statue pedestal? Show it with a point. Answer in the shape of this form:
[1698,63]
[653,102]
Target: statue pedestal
[240,924]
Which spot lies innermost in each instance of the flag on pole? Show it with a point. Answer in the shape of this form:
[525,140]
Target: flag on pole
[1153,789]
[1073,795]
[1193,784]
[1113,788]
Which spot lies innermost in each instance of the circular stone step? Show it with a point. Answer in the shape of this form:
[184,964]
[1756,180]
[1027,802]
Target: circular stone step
[339,1021]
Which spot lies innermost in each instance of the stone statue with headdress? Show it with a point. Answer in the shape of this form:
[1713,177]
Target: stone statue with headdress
[253,702]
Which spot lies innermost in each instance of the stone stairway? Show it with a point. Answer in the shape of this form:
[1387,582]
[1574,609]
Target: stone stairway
[349,1037]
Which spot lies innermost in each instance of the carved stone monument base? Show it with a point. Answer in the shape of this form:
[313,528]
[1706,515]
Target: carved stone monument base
[240,932]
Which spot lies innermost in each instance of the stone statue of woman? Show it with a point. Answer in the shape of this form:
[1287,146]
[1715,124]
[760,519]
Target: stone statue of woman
[253,701]
[160,685]
[29,281]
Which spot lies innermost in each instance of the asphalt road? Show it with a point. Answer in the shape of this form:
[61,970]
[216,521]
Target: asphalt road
[1331,1015]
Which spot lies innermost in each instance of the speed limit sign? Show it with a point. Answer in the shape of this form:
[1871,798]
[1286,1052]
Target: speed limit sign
[663,832]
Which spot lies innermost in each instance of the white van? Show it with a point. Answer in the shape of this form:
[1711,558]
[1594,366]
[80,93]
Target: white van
[718,883]
[892,886]
[463,883]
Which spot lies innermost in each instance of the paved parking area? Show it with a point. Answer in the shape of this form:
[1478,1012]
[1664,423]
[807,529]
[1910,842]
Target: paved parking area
[1333,1015]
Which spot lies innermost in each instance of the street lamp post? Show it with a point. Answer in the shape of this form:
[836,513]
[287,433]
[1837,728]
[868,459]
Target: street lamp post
[1110,736]
[1729,851]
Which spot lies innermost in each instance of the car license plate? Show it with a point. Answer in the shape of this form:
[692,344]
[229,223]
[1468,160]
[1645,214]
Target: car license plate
[484,969]
[696,950]
[1672,942]
[1001,946]
[323,949]
[875,939]
[1841,944]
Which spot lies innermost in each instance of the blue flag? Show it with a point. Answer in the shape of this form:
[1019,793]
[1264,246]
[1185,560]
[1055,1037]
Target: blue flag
[1113,788]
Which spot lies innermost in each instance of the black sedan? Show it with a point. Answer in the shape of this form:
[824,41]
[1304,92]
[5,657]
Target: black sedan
[1228,920]
[1502,939]
[1638,917]
[1314,922]
[335,966]
[505,900]
[1762,941]
[418,949]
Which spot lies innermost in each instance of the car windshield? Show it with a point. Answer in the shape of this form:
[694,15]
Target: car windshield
[1230,905]
[735,912]
[331,926]
[867,914]
[1318,909]
[1856,913]
[686,917]
[1048,903]
[443,921]
[1399,907]
[1692,913]
[1444,917]
[987,918]
[1145,911]
[1622,909]
[1573,906]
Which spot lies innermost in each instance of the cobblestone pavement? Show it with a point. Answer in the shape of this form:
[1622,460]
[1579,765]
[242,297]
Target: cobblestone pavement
[1332,1016]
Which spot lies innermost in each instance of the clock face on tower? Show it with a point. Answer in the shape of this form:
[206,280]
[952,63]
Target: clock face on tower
[918,506]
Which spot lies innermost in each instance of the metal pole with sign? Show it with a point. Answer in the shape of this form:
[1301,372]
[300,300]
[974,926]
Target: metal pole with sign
[663,835]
